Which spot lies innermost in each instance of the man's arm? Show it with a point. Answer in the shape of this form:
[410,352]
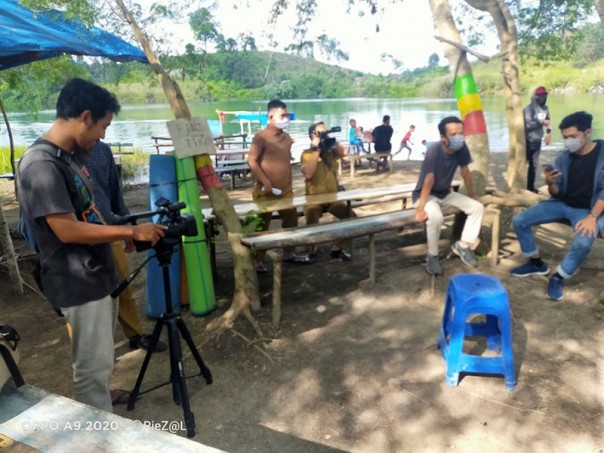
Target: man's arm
[310,160]
[70,230]
[466,175]
[341,151]
[420,213]
[253,160]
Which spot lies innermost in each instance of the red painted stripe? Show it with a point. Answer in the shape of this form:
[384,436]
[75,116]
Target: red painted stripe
[208,177]
[474,123]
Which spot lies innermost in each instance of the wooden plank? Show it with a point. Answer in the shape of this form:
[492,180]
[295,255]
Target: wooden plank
[358,197]
[327,232]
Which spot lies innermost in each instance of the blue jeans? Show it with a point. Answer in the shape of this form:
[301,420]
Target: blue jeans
[548,212]
[359,145]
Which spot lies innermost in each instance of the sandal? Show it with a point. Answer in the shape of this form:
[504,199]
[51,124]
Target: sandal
[119,396]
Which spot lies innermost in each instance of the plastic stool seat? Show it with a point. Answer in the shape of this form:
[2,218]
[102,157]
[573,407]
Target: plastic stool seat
[476,294]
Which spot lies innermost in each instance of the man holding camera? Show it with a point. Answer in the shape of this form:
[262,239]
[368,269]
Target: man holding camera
[319,167]
[270,163]
[77,268]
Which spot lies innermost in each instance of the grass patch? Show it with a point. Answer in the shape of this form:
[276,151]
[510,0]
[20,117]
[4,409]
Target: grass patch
[5,157]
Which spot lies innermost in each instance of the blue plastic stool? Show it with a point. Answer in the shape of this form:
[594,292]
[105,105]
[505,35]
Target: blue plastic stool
[475,294]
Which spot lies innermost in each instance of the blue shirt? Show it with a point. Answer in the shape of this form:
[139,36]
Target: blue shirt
[107,189]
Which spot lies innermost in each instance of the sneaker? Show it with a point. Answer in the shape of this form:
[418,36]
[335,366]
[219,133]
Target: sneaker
[340,255]
[144,342]
[465,254]
[529,268]
[554,287]
[433,265]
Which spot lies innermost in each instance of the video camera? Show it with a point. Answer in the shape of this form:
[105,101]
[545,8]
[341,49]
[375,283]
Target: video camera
[169,215]
[328,142]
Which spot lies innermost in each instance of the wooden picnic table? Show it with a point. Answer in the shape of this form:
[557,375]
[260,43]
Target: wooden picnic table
[353,198]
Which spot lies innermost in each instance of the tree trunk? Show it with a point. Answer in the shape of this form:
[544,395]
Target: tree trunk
[11,141]
[9,253]
[246,280]
[508,39]
[466,93]
[600,9]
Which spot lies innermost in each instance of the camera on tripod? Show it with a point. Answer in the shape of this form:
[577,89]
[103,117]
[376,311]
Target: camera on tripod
[169,215]
[328,142]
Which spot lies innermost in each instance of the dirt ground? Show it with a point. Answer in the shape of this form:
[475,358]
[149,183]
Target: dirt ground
[354,366]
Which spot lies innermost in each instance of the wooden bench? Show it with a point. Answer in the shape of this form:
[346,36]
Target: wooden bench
[355,159]
[232,168]
[239,140]
[327,232]
[8,176]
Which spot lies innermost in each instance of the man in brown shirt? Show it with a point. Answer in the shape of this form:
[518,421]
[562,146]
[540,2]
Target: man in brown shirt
[270,162]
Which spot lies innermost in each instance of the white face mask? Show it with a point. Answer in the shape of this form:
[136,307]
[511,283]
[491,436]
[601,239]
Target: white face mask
[282,123]
[456,142]
[573,144]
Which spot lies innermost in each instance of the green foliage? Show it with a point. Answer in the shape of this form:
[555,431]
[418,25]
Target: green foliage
[251,222]
[591,47]
[34,87]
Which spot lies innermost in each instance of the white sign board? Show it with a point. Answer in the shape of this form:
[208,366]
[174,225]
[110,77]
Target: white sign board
[191,137]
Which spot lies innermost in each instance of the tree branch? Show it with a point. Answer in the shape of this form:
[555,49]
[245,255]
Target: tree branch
[463,48]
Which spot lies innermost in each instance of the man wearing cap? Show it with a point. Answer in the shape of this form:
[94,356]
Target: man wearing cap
[536,125]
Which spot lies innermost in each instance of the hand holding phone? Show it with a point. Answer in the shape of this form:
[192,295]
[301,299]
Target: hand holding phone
[549,168]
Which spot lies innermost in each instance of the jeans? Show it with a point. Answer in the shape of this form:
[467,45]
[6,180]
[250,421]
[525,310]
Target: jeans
[533,150]
[548,212]
[358,144]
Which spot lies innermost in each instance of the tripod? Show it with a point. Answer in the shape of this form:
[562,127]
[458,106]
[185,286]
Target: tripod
[175,326]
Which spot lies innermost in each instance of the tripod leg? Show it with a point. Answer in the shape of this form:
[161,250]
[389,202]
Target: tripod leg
[139,380]
[177,377]
[203,369]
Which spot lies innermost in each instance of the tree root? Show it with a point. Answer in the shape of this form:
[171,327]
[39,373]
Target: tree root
[252,343]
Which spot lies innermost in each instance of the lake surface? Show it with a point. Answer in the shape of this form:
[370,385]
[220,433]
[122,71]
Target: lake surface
[137,123]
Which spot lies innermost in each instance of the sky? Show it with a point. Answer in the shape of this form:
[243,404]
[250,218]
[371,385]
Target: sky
[406,31]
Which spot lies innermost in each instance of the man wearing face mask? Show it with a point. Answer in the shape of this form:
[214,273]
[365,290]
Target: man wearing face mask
[270,162]
[536,122]
[576,184]
[433,190]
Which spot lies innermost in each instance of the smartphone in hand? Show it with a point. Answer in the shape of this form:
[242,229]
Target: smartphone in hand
[549,168]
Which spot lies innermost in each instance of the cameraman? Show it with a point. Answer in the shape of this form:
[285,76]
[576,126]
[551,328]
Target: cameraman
[77,269]
[319,167]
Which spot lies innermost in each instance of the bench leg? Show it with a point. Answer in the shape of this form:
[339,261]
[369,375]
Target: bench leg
[353,163]
[371,258]
[276,258]
[495,236]
[232,180]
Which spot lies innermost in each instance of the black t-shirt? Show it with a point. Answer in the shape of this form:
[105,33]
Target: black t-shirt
[72,274]
[581,176]
[381,137]
[443,166]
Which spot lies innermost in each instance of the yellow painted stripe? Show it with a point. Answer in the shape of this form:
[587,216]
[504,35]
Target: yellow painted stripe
[469,103]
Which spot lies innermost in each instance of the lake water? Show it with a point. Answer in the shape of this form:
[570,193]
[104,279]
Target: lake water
[137,123]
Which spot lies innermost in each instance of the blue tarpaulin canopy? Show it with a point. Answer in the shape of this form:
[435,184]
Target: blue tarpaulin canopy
[26,36]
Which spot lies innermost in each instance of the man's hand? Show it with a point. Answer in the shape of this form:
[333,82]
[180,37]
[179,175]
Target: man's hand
[587,226]
[548,138]
[268,187]
[546,122]
[420,215]
[148,232]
